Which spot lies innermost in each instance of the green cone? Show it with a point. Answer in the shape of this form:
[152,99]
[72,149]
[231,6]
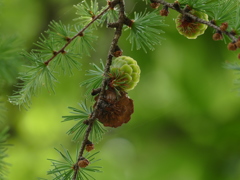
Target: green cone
[190,28]
[125,73]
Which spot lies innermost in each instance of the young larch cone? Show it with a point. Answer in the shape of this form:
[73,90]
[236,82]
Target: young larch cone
[116,108]
[124,73]
[188,27]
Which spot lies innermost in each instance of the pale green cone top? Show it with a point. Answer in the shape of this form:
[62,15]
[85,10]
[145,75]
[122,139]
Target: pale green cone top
[191,30]
[125,73]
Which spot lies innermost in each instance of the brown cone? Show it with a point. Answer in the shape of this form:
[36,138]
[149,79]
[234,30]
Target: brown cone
[83,163]
[224,26]
[238,43]
[232,46]
[164,12]
[115,109]
[217,36]
[155,5]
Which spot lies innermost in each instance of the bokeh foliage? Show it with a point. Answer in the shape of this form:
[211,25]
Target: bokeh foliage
[186,120]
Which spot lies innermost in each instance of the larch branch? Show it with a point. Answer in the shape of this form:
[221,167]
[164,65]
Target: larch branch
[175,7]
[90,121]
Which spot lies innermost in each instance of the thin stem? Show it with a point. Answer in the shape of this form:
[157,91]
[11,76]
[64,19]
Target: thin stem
[74,37]
[178,9]
[117,35]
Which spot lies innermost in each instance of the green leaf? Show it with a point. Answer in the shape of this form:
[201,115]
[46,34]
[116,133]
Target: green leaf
[145,30]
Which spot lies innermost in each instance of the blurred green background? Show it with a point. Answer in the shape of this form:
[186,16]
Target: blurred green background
[186,124]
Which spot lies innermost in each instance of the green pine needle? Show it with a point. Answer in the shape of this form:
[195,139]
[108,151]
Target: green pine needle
[87,12]
[235,22]
[65,62]
[146,1]
[223,11]
[199,5]
[3,154]
[97,77]
[63,170]
[236,67]
[83,44]
[10,59]
[145,30]
[32,81]
[47,47]
[2,111]
[60,33]
[79,129]
[110,16]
